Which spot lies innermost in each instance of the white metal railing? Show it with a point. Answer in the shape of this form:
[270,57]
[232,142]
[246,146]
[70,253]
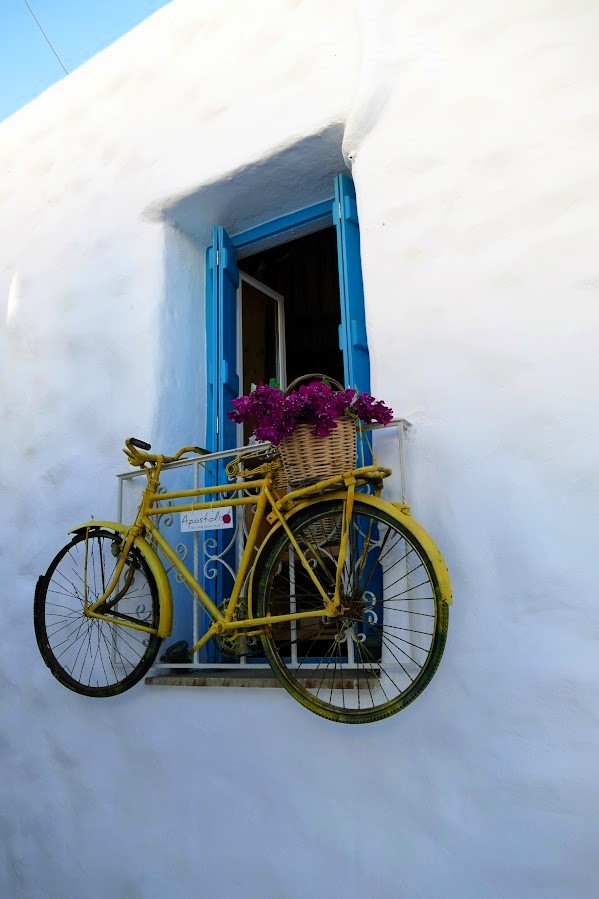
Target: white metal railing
[200,552]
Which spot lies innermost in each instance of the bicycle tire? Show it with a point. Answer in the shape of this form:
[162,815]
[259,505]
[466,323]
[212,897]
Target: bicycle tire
[92,656]
[377,657]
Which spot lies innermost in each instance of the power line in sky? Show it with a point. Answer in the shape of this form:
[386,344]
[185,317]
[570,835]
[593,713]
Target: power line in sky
[46,36]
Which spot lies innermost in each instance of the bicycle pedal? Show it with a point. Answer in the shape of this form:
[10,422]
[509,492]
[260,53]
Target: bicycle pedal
[177,653]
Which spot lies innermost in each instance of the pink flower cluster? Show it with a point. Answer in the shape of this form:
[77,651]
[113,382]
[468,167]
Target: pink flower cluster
[275,415]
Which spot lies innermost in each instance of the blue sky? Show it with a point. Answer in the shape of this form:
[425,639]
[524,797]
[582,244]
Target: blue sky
[76,28]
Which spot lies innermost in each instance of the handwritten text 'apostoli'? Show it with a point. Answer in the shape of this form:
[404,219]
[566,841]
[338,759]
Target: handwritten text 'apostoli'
[207,519]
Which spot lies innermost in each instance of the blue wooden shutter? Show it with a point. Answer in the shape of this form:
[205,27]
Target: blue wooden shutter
[211,348]
[352,331]
[222,280]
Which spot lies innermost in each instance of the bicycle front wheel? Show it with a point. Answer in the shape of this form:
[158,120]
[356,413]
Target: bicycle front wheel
[383,647]
[93,656]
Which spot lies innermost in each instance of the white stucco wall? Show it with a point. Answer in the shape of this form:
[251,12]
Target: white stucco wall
[473,135]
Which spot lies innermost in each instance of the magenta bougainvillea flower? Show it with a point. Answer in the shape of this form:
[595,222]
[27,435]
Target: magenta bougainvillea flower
[275,415]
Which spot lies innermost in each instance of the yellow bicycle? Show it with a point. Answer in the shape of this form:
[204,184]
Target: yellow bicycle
[348,594]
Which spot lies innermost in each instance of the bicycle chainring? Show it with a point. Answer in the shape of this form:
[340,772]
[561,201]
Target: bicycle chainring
[237,643]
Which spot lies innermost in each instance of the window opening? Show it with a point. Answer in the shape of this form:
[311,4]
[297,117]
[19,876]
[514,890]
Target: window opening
[315,298]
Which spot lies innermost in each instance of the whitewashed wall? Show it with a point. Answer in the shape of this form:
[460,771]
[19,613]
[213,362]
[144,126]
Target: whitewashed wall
[473,134]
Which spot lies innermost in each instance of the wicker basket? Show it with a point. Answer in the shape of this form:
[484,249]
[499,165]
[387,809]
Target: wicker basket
[308,459]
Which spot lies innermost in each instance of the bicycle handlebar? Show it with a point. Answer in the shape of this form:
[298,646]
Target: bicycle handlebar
[140,443]
[136,452]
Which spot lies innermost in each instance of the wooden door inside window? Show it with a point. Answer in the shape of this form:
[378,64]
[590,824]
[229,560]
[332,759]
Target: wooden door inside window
[261,331]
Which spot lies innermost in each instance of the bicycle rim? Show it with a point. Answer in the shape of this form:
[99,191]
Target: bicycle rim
[383,649]
[92,656]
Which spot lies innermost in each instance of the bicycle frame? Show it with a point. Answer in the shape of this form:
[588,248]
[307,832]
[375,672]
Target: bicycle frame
[145,528]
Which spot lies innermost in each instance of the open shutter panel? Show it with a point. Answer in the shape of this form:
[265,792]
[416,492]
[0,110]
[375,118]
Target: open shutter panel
[211,347]
[352,331]
[222,279]
[228,385]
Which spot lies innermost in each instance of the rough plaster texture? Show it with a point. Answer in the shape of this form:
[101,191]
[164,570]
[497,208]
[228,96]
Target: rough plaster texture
[473,133]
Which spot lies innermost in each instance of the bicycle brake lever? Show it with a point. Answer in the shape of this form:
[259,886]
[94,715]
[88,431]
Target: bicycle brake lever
[132,460]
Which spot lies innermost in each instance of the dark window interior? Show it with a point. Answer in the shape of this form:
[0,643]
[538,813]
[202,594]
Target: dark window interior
[259,337]
[305,272]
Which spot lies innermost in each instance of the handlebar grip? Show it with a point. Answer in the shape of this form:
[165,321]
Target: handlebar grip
[140,444]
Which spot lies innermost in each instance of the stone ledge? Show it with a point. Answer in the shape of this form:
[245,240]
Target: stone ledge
[248,677]
[214,678]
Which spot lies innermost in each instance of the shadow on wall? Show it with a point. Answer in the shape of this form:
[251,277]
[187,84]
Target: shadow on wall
[291,178]
[181,378]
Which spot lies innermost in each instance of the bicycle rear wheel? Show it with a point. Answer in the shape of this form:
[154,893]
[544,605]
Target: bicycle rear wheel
[384,647]
[93,656]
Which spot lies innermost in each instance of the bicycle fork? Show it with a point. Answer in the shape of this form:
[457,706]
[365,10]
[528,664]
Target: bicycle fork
[101,605]
[91,610]
[350,482]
